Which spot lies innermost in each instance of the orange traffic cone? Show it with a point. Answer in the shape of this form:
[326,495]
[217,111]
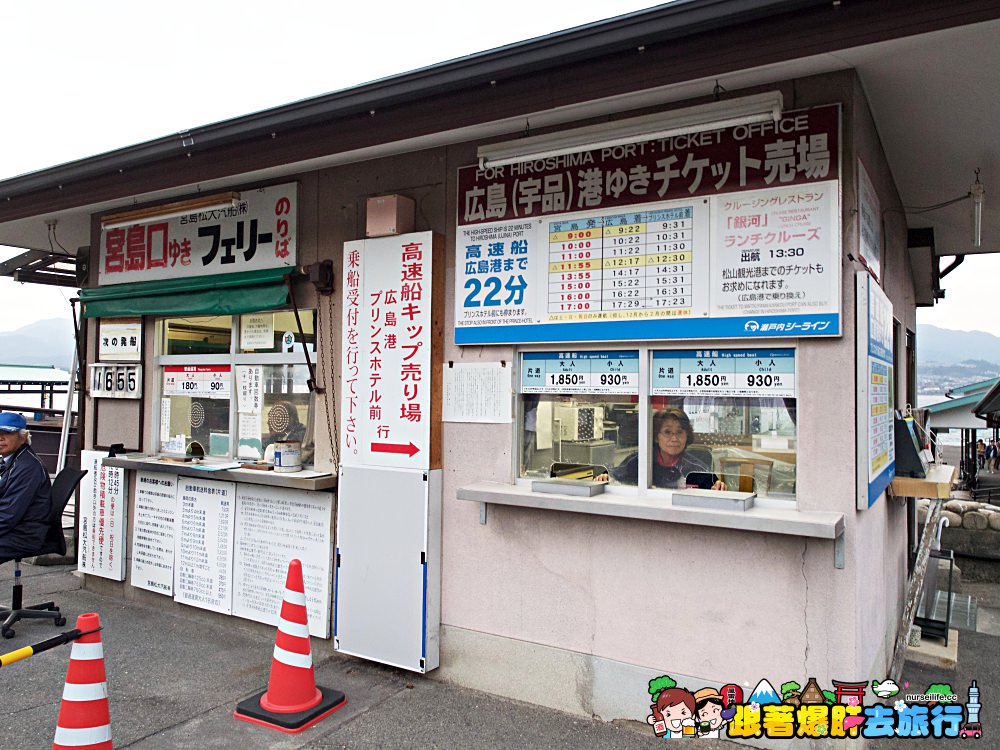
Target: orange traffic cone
[84,722]
[292,701]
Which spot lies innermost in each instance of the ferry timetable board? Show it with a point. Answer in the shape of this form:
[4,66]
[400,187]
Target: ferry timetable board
[736,235]
[876,447]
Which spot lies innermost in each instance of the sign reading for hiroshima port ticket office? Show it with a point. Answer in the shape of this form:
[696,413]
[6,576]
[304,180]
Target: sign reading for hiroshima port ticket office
[728,234]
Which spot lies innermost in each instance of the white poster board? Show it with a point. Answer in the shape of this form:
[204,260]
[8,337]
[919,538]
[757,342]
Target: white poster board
[204,547]
[273,526]
[869,223]
[389,566]
[257,331]
[102,518]
[153,532]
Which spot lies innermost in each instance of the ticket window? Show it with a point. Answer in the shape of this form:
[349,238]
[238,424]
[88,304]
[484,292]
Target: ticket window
[735,411]
[577,409]
[730,415]
[236,385]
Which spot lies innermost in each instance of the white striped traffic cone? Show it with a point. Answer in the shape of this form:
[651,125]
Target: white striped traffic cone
[292,701]
[84,722]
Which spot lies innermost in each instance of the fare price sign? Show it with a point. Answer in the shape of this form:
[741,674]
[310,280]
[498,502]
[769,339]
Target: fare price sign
[724,372]
[580,372]
[201,381]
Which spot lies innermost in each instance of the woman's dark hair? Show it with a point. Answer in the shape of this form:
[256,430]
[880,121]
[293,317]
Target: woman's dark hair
[661,416]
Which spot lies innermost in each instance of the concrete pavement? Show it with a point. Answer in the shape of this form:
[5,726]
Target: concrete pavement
[174,681]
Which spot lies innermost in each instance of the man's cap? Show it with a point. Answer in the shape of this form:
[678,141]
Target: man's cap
[707,693]
[12,422]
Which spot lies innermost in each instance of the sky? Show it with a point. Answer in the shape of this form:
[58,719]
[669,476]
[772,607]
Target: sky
[84,78]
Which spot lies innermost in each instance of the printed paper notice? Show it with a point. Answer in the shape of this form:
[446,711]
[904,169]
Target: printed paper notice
[153,532]
[257,331]
[250,379]
[249,431]
[102,518]
[204,547]
[275,525]
[477,393]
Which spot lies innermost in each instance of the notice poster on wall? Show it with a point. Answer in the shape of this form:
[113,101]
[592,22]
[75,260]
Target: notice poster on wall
[478,392]
[876,449]
[731,235]
[119,340]
[153,532]
[275,525]
[869,223]
[204,547]
[102,518]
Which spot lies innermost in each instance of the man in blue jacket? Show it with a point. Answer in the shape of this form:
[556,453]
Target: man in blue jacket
[25,491]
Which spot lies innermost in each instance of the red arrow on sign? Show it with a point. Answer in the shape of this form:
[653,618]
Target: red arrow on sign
[409,450]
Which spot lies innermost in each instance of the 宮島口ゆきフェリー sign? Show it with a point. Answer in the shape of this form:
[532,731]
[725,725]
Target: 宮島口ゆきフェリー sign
[254,232]
[875,379]
[734,233]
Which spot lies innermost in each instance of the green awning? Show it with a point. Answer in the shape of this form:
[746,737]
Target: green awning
[222,294]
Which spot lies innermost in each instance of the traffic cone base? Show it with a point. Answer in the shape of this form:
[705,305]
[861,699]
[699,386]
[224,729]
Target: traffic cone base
[293,701]
[292,723]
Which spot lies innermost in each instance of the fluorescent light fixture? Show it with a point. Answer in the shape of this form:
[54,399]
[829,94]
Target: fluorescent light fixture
[764,107]
[170,210]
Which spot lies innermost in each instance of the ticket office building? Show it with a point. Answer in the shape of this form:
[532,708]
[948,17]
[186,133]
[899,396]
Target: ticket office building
[735,304]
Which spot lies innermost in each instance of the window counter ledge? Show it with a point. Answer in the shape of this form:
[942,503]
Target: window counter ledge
[807,523]
[298,480]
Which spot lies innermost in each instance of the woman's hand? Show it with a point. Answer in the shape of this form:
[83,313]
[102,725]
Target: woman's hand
[602,477]
[720,485]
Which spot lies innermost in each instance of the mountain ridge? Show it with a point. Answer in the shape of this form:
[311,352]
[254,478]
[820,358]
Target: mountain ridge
[44,343]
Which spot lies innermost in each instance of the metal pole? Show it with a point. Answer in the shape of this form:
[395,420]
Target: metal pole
[70,393]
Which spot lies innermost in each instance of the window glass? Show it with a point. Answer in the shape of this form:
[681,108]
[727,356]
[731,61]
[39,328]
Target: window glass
[747,443]
[195,409]
[277,331]
[579,412]
[239,408]
[274,403]
[566,434]
[715,418]
[209,334]
[723,418]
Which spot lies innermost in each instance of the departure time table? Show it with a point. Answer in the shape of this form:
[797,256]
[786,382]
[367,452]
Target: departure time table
[622,264]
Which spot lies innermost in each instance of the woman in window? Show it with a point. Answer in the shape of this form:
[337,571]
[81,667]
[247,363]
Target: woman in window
[674,466]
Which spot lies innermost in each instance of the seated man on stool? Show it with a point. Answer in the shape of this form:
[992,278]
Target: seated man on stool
[25,491]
